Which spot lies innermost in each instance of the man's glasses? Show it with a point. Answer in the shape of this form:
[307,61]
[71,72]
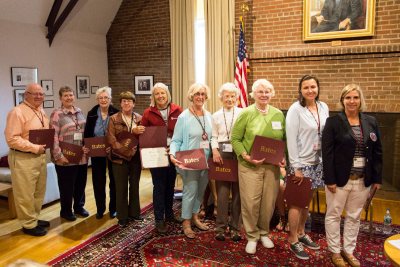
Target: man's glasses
[36,94]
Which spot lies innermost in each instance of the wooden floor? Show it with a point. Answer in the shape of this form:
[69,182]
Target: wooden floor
[65,235]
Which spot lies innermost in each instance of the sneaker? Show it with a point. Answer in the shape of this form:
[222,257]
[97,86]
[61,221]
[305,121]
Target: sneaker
[266,242]
[298,251]
[306,240]
[251,247]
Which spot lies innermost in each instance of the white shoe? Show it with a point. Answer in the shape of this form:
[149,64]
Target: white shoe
[266,242]
[251,247]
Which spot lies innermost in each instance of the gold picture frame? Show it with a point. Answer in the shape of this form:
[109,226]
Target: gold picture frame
[316,27]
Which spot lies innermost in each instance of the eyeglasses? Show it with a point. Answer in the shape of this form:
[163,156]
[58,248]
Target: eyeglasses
[36,94]
[103,98]
[267,93]
[199,94]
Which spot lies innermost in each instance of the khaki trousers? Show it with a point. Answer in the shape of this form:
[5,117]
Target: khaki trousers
[259,188]
[28,176]
[351,198]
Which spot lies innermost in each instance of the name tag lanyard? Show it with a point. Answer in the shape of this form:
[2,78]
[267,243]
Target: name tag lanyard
[133,118]
[316,120]
[37,115]
[165,120]
[226,126]
[204,136]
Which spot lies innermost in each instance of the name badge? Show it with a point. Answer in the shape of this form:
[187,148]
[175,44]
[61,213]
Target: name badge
[204,144]
[276,125]
[227,148]
[317,144]
[77,136]
[359,162]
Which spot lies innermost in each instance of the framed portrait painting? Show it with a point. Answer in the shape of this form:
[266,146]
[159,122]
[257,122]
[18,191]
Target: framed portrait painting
[47,86]
[19,96]
[143,84]
[82,87]
[21,76]
[331,19]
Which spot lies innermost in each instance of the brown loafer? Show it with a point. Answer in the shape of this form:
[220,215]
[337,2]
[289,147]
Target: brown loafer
[338,261]
[353,261]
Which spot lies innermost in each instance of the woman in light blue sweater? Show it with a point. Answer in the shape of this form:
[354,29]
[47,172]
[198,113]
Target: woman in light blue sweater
[193,130]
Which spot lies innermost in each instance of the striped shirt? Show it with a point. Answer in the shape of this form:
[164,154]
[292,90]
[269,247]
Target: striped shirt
[360,151]
[66,124]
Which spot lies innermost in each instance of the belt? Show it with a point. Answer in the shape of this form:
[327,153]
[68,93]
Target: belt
[355,176]
[21,151]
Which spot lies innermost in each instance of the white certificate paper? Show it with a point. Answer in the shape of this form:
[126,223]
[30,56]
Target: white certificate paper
[154,157]
[395,243]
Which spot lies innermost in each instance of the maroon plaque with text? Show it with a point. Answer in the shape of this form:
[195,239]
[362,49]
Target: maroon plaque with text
[73,153]
[192,159]
[225,172]
[42,137]
[271,149]
[153,136]
[97,146]
[297,195]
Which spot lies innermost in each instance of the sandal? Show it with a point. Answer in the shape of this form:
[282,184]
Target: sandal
[200,225]
[353,261]
[187,229]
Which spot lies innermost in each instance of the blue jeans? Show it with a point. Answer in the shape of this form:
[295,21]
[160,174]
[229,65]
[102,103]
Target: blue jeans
[163,191]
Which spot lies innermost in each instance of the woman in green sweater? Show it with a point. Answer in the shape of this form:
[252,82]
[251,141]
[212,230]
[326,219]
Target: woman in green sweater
[258,182]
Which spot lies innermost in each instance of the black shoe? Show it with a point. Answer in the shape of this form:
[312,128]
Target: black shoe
[42,223]
[68,217]
[220,236]
[113,214]
[235,236]
[174,219]
[82,212]
[123,222]
[37,231]
[161,227]
[99,216]
[136,218]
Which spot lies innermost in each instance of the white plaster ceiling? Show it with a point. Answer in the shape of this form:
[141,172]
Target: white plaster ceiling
[93,16]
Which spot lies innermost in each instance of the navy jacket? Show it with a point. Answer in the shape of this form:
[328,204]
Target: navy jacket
[339,145]
[92,118]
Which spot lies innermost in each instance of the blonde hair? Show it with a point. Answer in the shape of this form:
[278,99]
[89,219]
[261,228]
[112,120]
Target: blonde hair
[349,88]
[159,86]
[228,87]
[263,83]
[195,88]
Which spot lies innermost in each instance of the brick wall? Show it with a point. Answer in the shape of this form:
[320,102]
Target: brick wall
[278,53]
[139,43]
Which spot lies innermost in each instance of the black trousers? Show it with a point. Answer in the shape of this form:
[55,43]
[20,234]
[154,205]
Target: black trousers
[163,191]
[99,179]
[71,182]
[127,177]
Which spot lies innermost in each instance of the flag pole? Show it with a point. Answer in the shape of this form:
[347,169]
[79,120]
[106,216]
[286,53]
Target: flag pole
[245,8]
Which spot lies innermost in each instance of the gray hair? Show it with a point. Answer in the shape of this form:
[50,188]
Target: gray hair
[196,87]
[263,83]
[228,87]
[159,86]
[104,89]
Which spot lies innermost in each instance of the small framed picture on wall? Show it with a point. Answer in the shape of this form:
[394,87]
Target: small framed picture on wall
[82,86]
[143,84]
[47,86]
[93,89]
[19,96]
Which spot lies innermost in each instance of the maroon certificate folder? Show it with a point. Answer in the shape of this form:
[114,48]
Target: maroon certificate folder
[225,172]
[153,136]
[42,137]
[297,195]
[127,140]
[192,159]
[270,149]
[72,152]
[97,146]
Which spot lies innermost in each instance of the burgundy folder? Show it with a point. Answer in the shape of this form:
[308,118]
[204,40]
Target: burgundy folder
[225,172]
[73,153]
[153,136]
[97,146]
[42,137]
[192,159]
[297,195]
[271,149]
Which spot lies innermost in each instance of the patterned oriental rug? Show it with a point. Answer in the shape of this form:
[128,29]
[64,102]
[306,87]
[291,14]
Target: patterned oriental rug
[140,245]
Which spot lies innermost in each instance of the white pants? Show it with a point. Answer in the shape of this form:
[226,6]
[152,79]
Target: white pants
[351,198]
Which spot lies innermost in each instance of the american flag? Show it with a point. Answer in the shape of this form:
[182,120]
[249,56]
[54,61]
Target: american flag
[241,69]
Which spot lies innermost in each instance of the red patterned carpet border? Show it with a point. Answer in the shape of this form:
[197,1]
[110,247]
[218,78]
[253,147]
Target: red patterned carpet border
[140,245]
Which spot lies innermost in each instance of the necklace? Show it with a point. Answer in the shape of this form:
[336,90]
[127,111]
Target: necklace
[204,136]
[264,111]
[317,121]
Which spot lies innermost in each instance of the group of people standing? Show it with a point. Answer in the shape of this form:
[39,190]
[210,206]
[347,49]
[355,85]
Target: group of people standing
[342,153]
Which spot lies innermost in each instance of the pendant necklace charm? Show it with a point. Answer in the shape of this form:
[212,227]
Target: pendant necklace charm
[204,136]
